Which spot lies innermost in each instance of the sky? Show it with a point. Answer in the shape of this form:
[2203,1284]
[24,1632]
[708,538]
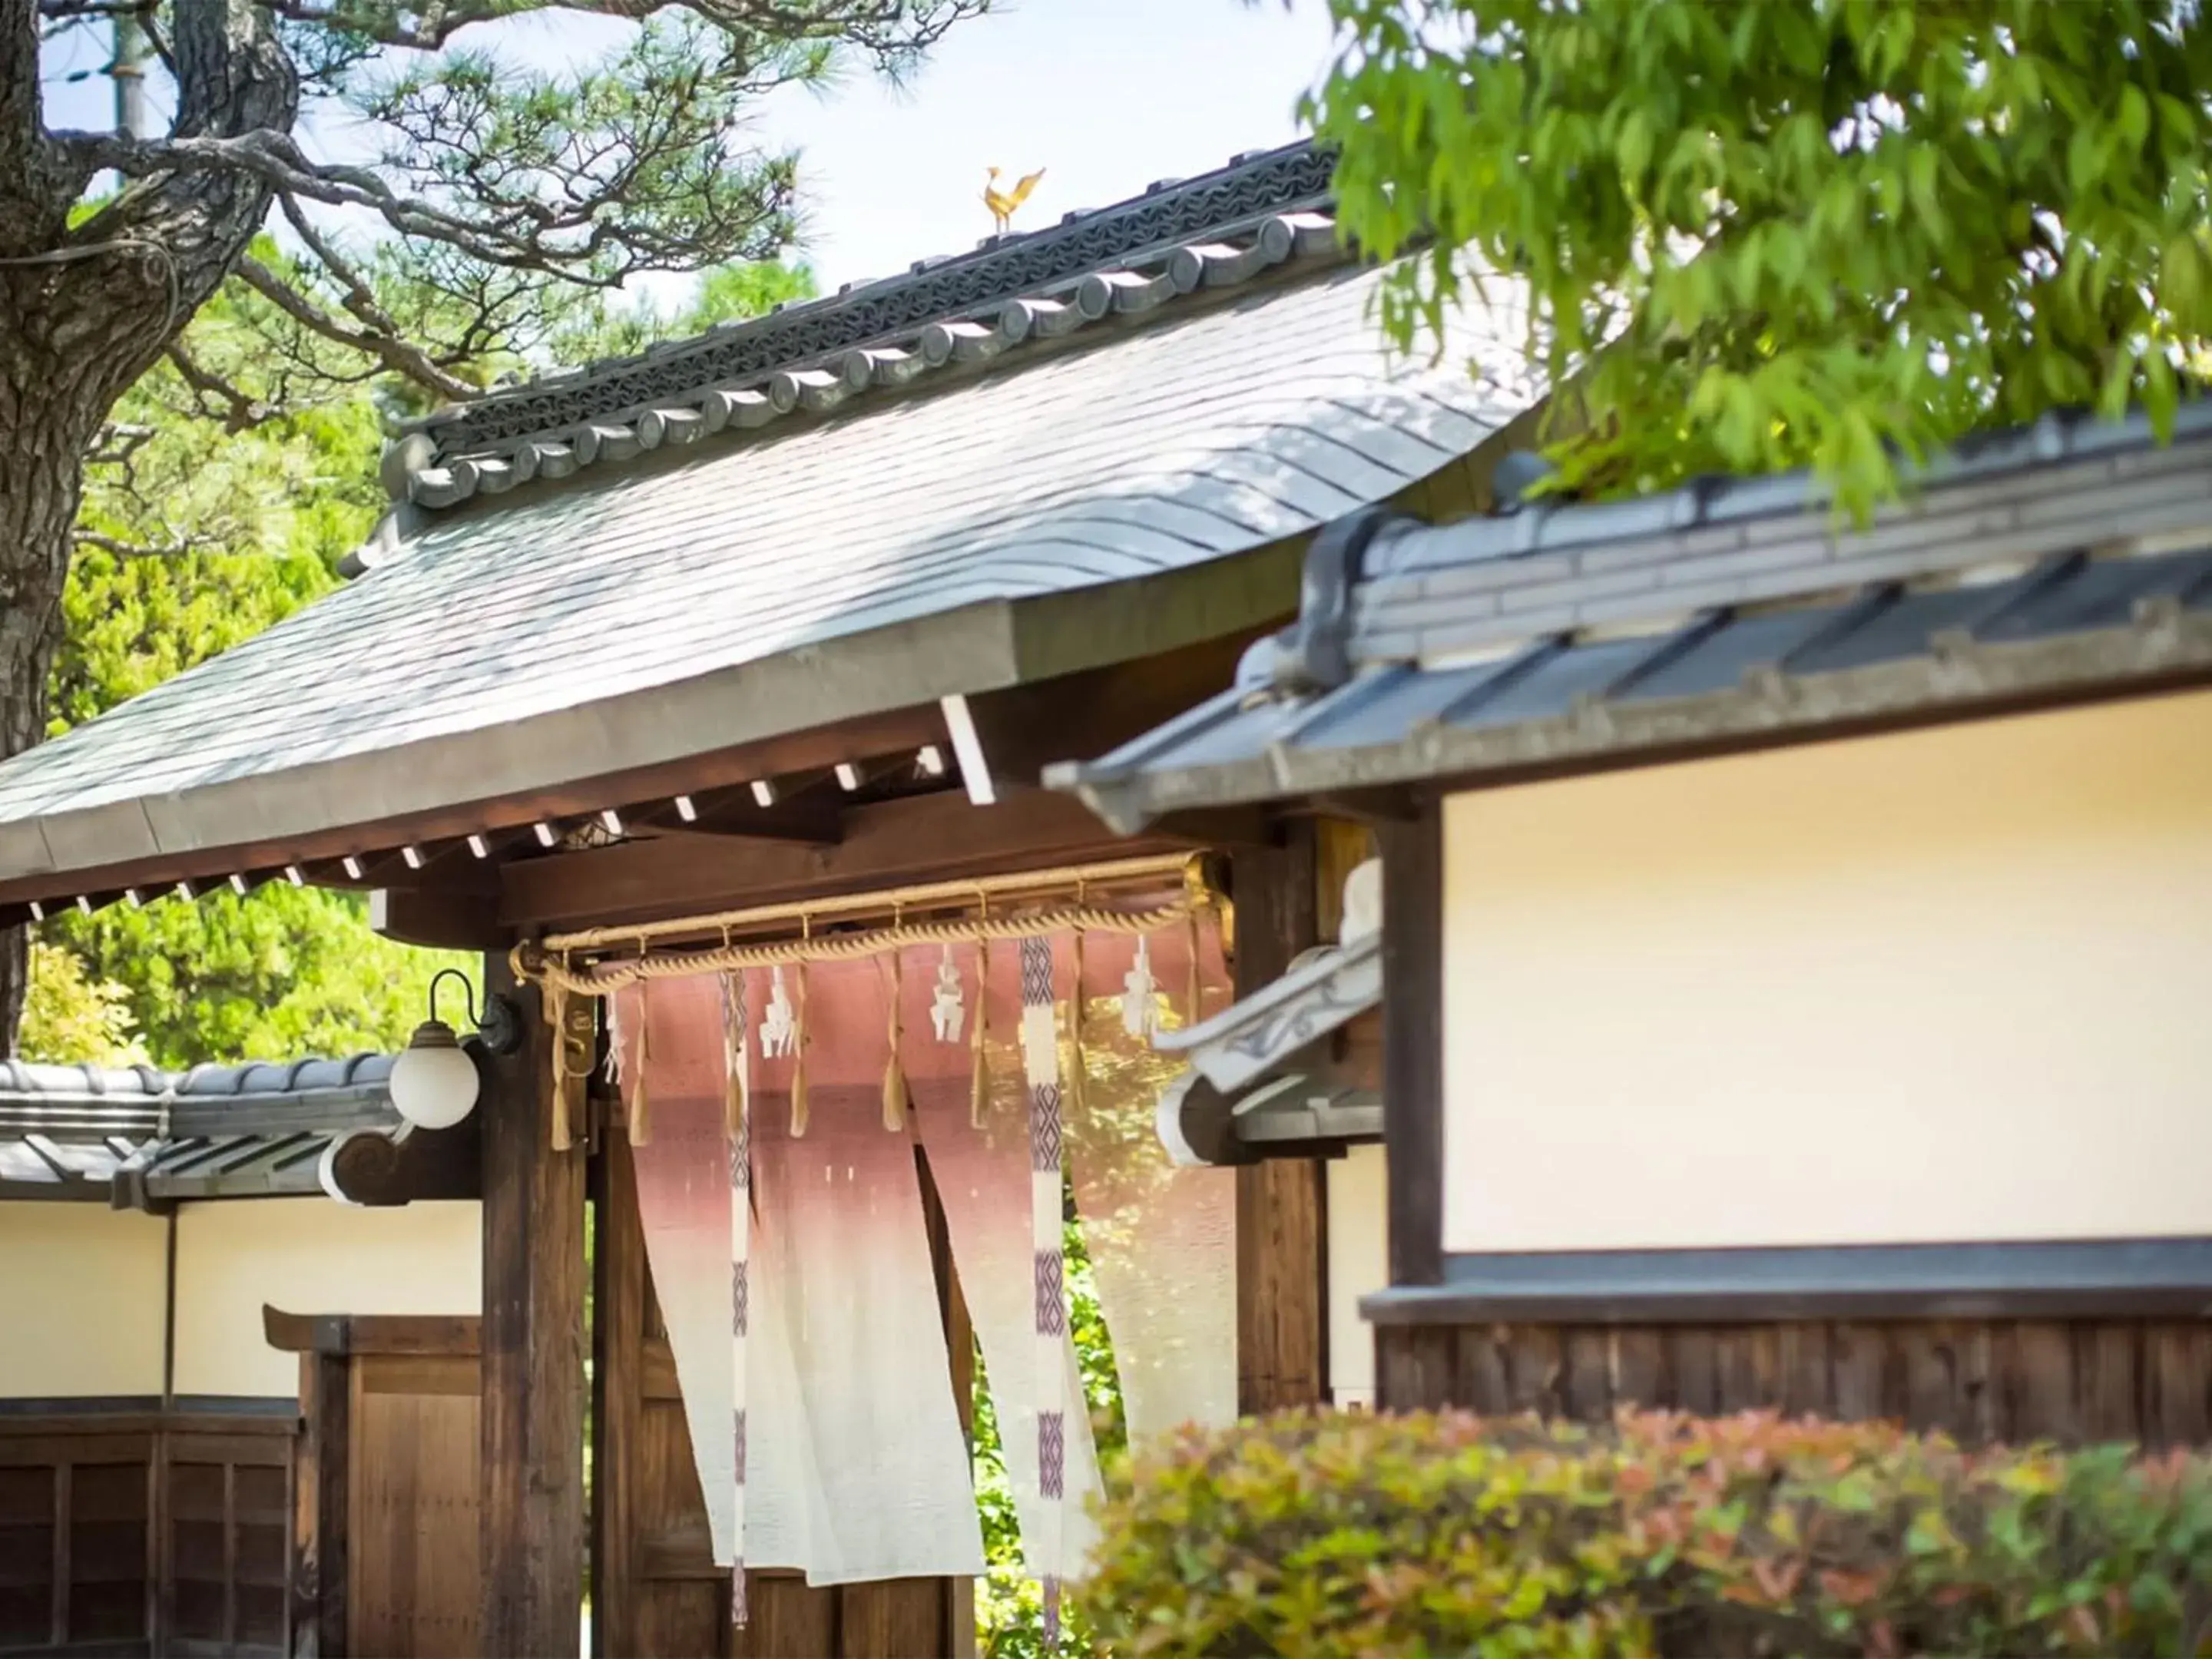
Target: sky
[1106,95]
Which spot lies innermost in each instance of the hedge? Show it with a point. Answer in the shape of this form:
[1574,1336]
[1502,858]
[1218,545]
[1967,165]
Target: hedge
[1662,1535]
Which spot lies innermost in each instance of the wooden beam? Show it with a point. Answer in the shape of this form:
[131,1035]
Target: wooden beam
[813,749]
[1082,716]
[932,837]
[532,1470]
[1282,1234]
[1413,1041]
[442,918]
[813,819]
[378,1334]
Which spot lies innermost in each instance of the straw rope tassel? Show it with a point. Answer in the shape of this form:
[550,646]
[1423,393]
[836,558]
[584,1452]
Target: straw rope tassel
[798,1058]
[1041,1058]
[894,1076]
[641,1107]
[555,1004]
[736,1057]
[979,1097]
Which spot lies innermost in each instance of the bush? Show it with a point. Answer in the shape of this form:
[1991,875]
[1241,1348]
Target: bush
[1663,1534]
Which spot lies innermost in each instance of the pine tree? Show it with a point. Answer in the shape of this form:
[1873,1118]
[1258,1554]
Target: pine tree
[478,207]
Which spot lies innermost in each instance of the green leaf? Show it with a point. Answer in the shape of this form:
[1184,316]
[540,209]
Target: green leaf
[2133,122]
[2162,393]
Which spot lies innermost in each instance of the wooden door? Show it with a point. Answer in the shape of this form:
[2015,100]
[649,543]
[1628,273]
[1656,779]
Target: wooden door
[412,1526]
[386,1502]
[656,1592]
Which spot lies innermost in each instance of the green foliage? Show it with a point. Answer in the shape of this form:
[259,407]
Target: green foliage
[731,293]
[70,1017]
[1779,231]
[1662,1536]
[283,972]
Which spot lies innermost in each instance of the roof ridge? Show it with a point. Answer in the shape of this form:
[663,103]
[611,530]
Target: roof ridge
[203,1081]
[1121,259]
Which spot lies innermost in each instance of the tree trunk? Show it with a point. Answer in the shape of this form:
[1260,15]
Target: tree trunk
[86,309]
[48,418]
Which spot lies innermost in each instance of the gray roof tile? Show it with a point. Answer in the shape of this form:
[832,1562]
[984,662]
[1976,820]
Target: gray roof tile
[2075,556]
[79,1131]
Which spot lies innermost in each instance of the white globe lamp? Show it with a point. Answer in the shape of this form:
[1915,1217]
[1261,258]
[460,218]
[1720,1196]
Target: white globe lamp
[433,1081]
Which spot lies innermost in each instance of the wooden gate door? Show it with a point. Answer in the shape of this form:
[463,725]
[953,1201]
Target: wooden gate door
[656,1592]
[385,1502]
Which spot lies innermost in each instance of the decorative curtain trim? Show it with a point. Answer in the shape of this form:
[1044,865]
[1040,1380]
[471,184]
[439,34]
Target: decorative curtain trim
[1040,1060]
[735,1057]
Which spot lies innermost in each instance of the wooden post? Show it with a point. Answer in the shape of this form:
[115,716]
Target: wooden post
[1282,1238]
[1413,1041]
[618,1299]
[533,1351]
[321,1506]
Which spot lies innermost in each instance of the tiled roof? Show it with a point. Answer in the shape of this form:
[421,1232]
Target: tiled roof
[1225,387]
[2066,557]
[256,1130]
[1180,237]
[1260,1080]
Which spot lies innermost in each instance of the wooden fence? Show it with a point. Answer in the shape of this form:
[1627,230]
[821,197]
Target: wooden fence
[129,1529]
[2147,1381]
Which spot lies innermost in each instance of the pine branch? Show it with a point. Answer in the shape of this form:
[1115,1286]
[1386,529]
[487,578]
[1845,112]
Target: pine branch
[384,343]
[275,162]
[235,410]
[892,31]
[123,550]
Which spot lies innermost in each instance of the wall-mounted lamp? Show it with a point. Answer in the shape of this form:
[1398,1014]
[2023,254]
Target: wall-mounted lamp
[434,1084]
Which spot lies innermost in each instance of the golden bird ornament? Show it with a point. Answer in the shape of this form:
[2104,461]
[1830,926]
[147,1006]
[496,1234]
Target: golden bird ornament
[1003,203]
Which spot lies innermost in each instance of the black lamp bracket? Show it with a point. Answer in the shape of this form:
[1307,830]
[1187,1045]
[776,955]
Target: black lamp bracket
[500,1024]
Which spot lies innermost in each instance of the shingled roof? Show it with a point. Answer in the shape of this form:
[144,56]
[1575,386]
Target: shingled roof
[863,504]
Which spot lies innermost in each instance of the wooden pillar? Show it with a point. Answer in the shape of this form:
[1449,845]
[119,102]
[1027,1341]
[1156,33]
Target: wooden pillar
[533,1352]
[1413,1041]
[618,1320]
[321,1503]
[1282,1236]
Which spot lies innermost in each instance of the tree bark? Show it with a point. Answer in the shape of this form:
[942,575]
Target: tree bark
[48,418]
[86,310]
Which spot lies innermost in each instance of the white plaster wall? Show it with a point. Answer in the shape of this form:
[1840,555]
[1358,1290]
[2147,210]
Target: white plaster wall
[308,1255]
[1950,985]
[1359,1261]
[81,1289]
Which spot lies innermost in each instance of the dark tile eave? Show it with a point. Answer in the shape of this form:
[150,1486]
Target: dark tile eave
[1128,791]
